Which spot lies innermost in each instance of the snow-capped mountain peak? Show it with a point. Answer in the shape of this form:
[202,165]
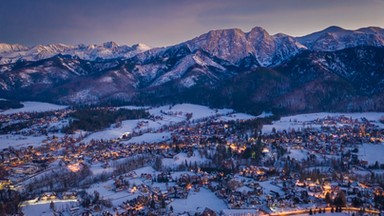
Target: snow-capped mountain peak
[259,31]
[372,30]
[232,45]
[4,48]
[110,45]
[141,47]
[336,38]
[108,50]
[228,44]
[226,61]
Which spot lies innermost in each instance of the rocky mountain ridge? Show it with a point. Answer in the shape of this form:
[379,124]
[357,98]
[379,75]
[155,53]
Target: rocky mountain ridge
[272,71]
[12,53]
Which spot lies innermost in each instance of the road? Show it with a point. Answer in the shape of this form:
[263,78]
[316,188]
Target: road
[327,210]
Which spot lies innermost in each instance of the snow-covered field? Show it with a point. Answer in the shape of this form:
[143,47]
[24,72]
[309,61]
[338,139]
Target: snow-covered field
[34,107]
[296,121]
[195,202]
[181,158]
[18,141]
[43,207]
[113,132]
[106,189]
[133,107]
[106,192]
[166,116]
[371,153]
[148,131]
[298,154]
[150,138]
[98,168]
[180,110]
[268,187]
[198,201]
[245,212]
[236,116]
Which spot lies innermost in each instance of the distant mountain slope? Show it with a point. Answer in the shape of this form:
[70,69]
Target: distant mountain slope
[346,80]
[11,53]
[336,38]
[329,70]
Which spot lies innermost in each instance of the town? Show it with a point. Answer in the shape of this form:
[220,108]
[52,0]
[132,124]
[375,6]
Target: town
[191,160]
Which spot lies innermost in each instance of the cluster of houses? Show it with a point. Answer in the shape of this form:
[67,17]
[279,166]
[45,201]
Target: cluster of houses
[32,123]
[277,182]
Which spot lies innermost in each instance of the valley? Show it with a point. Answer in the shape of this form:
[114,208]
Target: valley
[181,108]
[186,159]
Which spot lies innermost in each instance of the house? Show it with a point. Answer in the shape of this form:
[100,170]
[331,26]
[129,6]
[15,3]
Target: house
[70,195]
[4,183]
[48,196]
[208,212]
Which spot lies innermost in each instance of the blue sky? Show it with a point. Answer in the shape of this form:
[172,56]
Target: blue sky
[167,22]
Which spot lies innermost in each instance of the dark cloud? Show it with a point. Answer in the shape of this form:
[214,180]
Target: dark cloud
[165,22]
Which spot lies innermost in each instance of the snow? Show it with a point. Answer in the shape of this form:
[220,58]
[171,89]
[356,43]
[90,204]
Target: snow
[143,170]
[336,38]
[18,141]
[362,172]
[197,202]
[371,153]
[97,169]
[327,214]
[198,60]
[204,61]
[150,138]
[4,48]
[142,47]
[133,107]
[268,187]
[181,158]
[198,111]
[113,133]
[106,189]
[378,172]
[169,115]
[84,95]
[129,126]
[265,115]
[177,175]
[296,121]
[298,154]
[106,192]
[236,116]
[189,81]
[34,107]
[13,53]
[244,189]
[106,79]
[177,71]
[232,212]
[43,207]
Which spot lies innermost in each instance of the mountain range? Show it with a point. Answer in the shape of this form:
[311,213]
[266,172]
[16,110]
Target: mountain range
[330,70]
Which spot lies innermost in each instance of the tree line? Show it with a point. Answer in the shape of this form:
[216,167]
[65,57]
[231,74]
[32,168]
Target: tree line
[96,119]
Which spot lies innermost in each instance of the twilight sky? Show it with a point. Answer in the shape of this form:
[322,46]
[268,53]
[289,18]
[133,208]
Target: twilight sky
[167,22]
